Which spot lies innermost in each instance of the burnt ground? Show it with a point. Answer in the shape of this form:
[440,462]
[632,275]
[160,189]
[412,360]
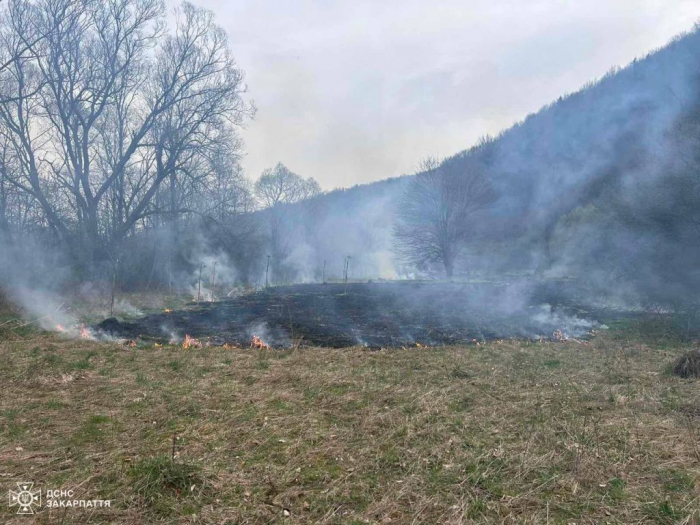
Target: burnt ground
[382,314]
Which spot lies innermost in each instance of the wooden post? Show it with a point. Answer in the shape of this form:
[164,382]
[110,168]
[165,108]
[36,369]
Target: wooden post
[323,274]
[267,271]
[153,269]
[199,283]
[345,271]
[213,281]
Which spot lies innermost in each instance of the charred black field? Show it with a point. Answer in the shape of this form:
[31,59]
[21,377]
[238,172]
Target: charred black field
[375,315]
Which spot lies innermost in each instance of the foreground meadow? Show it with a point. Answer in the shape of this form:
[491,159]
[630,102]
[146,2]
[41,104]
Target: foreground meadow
[504,432]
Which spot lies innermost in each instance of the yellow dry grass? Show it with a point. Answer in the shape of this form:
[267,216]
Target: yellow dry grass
[506,432]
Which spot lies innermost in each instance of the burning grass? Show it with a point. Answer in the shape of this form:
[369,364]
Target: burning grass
[503,432]
[191,342]
[375,315]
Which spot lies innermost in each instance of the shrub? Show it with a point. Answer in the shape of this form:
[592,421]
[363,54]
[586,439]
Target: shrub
[688,365]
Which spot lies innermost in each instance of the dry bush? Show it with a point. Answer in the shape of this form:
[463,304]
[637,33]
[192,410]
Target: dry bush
[688,365]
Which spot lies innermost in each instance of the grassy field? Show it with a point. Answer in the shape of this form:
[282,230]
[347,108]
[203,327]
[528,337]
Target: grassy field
[506,432]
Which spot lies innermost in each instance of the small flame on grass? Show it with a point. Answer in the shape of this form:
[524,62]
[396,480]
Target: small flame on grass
[259,343]
[75,331]
[167,310]
[559,336]
[191,342]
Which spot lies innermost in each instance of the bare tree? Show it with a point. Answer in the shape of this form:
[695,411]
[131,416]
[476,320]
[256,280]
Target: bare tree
[437,213]
[12,48]
[277,189]
[227,192]
[279,185]
[109,105]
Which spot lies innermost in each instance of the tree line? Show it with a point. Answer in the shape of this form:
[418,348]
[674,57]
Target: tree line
[116,120]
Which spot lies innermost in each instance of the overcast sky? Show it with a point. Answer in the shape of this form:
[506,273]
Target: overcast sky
[353,91]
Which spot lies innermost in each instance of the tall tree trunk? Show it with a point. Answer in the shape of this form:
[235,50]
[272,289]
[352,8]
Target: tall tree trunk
[449,266]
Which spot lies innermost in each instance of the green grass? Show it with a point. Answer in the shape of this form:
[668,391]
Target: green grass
[166,486]
[94,429]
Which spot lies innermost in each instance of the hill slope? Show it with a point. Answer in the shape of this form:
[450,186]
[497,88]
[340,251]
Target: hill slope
[618,137]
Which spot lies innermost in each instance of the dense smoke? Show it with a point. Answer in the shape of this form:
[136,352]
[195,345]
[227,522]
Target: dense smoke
[601,186]
[146,193]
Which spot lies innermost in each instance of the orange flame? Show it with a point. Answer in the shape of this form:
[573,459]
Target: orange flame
[85,333]
[59,328]
[191,342]
[167,310]
[258,343]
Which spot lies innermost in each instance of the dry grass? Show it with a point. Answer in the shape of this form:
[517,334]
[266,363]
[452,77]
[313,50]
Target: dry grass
[508,432]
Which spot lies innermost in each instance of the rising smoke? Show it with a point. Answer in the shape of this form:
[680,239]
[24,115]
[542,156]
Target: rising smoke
[600,186]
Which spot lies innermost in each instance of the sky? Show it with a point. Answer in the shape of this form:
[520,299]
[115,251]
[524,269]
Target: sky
[354,91]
